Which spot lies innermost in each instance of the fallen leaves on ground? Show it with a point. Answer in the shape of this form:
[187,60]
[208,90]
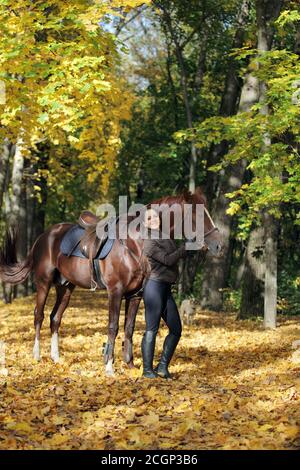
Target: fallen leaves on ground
[236,386]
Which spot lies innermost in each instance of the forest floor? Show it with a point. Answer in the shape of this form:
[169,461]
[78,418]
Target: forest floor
[236,386]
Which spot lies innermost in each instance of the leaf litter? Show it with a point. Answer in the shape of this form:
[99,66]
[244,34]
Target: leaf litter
[235,385]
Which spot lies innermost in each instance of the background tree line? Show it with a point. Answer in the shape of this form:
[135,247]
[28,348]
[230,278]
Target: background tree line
[222,77]
[60,113]
[146,99]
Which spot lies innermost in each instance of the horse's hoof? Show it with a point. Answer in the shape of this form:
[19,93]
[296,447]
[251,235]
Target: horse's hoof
[109,373]
[109,368]
[55,359]
[36,355]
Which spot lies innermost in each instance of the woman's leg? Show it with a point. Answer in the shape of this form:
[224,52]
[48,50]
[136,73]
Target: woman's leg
[155,299]
[171,316]
[172,319]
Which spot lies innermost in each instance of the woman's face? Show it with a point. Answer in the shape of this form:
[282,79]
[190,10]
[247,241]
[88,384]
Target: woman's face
[151,219]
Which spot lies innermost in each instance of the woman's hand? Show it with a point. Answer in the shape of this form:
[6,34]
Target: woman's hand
[157,252]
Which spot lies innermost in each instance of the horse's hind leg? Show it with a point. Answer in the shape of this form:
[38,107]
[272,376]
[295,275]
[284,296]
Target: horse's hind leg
[131,308]
[41,297]
[63,295]
[114,301]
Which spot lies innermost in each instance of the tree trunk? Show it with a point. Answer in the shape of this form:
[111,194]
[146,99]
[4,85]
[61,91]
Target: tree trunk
[252,302]
[254,285]
[188,267]
[7,292]
[172,87]
[4,167]
[16,217]
[265,38]
[5,175]
[185,91]
[16,185]
[22,289]
[39,205]
[30,206]
[216,270]
[189,116]
[229,103]
[270,300]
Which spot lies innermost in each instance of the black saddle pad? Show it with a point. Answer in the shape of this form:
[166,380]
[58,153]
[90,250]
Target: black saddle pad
[69,245]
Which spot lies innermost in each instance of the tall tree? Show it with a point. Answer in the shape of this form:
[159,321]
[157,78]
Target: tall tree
[230,96]
[267,135]
[59,65]
[186,24]
[216,272]
[258,289]
[179,43]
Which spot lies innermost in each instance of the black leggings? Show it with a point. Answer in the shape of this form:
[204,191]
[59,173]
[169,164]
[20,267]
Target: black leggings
[159,303]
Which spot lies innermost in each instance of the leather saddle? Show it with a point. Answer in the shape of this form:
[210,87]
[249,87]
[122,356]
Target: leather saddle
[88,220]
[90,244]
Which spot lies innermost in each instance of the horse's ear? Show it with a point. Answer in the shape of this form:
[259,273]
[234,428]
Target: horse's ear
[200,194]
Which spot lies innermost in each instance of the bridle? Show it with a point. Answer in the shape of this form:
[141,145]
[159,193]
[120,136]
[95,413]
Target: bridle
[213,229]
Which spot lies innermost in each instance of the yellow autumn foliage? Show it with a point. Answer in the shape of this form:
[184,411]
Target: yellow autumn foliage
[58,65]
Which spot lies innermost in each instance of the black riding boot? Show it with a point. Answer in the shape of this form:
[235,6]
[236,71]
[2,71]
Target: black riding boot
[170,344]
[148,346]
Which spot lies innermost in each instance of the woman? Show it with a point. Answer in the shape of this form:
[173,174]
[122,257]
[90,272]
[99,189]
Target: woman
[163,256]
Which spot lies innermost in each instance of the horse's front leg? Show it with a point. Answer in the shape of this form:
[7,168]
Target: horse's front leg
[114,303]
[131,309]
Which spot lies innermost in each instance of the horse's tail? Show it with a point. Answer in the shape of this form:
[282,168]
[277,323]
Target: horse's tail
[11,270]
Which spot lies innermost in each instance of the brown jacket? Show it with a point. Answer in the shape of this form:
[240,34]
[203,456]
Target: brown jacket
[163,256]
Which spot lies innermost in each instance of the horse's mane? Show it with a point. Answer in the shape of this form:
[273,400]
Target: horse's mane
[184,197]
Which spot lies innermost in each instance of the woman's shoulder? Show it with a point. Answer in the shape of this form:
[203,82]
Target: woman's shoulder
[149,246]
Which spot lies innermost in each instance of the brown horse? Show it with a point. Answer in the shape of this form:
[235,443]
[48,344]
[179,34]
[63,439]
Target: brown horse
[123,270]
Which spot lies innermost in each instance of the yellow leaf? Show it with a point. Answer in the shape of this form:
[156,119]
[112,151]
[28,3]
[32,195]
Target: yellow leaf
[58,420]
[59,390]
[22,427]
[152,392]
[288,430]
[57,439]
[150,420]
[182,407]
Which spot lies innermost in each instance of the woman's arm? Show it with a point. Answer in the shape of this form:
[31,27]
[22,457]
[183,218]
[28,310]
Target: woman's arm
[156,251]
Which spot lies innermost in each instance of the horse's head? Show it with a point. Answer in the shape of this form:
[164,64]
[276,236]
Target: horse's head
[212,237]
[173,208]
